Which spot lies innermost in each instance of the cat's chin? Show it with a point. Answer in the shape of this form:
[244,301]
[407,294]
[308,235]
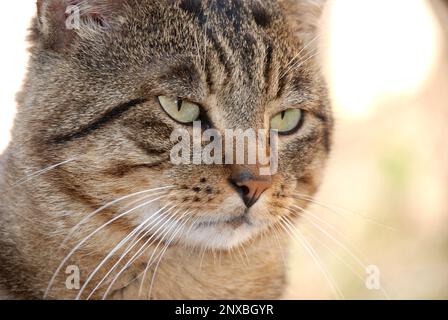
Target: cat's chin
[221,236]
[224,233]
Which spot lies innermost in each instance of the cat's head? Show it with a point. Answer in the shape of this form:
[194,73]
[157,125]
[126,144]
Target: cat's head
[106,92]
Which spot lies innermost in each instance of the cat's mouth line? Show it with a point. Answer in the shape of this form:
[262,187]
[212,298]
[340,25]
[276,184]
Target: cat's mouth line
[234,222]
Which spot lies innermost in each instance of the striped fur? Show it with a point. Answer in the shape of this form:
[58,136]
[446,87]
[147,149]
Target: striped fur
[90,96]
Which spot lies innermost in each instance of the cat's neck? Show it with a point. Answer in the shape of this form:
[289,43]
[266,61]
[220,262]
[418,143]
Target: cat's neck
[253,271]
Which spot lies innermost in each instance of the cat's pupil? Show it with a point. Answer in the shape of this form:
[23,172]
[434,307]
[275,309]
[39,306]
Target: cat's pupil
[283,115]
[179,104]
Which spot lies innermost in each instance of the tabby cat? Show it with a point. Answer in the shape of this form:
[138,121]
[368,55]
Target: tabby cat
[91,205]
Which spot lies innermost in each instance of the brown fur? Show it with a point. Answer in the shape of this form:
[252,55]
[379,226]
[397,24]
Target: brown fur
[226,55]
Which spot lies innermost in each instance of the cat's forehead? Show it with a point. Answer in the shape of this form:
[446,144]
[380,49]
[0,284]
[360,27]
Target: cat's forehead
[239,28]
[241,46]
[237,52]
[233,13]
[240,49]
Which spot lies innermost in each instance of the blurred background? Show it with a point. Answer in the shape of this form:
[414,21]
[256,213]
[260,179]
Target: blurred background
[384,202]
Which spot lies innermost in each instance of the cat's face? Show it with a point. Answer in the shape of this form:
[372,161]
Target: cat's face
[98,104]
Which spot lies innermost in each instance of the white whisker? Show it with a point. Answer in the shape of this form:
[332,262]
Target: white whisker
[295,234]
[310,216]
[41,172]
[338,211]
[303,61]
[277,238]
[357,259]
[111,253]
[161,257]
[138,254]
[90,236]
[349,266]
[291,63]
[108,205]
[133,244]
[163,235]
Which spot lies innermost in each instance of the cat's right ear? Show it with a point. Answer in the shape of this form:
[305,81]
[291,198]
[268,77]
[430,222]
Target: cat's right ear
[304,16]
[60,22]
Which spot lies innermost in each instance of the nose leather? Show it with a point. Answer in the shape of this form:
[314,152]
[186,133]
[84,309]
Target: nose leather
[249,184]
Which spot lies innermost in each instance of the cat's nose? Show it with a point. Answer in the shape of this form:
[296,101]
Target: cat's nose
[249,185]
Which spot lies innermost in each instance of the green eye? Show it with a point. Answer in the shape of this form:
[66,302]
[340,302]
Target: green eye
[287,121]
[182,111]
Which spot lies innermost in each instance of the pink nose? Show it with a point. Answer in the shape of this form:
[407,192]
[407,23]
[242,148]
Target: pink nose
[249,185]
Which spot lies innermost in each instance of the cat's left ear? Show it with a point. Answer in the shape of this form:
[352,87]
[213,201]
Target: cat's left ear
[304,16]
[60,22]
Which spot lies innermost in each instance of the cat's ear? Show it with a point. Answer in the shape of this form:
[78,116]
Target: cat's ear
[60,22]
[304,16]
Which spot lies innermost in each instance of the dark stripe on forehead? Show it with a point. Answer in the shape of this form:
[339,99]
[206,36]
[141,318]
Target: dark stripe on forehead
[225,12]
[230,11]
[197,10]
[223,58]
[282,81]
[209,75]
[194,7]
[268,66]
[260,15]
[231,28]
